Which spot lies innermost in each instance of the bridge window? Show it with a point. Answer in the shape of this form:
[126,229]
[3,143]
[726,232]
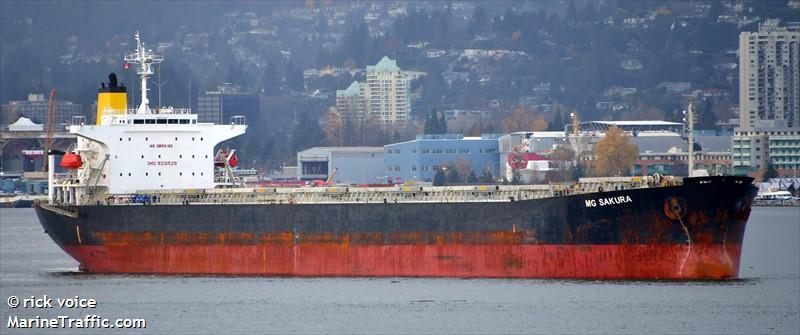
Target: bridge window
[161,121]
[149,121]
[138,121]
[194,121]
[172,121]
[184,121]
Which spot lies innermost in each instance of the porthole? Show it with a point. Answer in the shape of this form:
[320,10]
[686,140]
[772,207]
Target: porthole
[201,173]
[129,139]
[180,173]
[206,156]
[142,156]
[120,174]
[193,173]
[180,156]
[145,138]
[192,156]
[176,138]
[159,156]
[201,138]
[129,174]
[192,138]
[120,139]
[146,174]
[159,173]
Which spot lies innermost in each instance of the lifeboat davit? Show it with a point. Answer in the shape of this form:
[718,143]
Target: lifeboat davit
[71,160]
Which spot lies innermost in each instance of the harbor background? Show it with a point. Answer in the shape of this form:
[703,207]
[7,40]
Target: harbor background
[766,300]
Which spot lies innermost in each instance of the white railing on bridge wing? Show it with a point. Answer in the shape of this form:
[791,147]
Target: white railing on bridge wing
[78,120]
[170,110]
[159,111]
[238,120]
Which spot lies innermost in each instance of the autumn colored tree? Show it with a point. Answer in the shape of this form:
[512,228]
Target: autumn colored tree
[524,119]
[615,154]
[334,129]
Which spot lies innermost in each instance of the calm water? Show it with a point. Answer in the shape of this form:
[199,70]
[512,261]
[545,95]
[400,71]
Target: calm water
[765,301]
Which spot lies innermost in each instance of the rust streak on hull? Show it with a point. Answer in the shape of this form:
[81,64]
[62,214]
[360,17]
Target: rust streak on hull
[459,260]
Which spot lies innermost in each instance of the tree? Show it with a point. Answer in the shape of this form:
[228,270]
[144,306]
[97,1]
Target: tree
[442,124]
[478,22]
[306,134]
[524,119]
[439,178]
[435,124]
[486,176]
[472,178]
[294,78]
[334,129]
[271,82]
[770,172]
[615,154]
[453,176]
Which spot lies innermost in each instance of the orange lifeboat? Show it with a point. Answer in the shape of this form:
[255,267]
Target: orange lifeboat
[233,161]
[71,160]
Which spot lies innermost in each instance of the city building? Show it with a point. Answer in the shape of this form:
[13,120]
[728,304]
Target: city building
[419,159]
[756,147]
[385,96]
[349,102]
[769,100]
[769,75]
[668,154]
[36,107]
[352,165]
[227,101]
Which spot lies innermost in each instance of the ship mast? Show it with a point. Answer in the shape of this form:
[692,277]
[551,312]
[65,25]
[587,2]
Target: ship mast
[689,118]
[144,58]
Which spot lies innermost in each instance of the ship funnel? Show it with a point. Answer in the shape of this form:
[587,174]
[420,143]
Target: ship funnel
[112,99]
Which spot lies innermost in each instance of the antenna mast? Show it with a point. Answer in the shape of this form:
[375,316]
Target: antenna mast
[144,58]
[689,119]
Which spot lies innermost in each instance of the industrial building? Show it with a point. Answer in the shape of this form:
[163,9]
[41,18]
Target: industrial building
[419,159]
[353,165]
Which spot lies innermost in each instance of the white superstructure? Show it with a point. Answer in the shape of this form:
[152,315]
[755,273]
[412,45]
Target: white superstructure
[142,149]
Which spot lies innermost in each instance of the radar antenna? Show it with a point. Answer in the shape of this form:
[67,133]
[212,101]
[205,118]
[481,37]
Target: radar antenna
[144,58]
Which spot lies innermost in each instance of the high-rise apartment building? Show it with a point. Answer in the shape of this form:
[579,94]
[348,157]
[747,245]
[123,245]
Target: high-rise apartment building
[769,100]
[385,96]
[769,75]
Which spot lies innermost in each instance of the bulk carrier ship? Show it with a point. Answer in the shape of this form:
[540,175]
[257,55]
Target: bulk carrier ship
[143,195]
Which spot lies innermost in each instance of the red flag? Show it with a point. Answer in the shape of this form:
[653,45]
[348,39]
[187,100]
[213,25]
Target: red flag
[126,65]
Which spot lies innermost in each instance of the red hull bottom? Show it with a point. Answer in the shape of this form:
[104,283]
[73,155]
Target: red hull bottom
[466,260]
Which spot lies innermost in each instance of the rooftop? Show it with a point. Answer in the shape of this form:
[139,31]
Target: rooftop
[385,65]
